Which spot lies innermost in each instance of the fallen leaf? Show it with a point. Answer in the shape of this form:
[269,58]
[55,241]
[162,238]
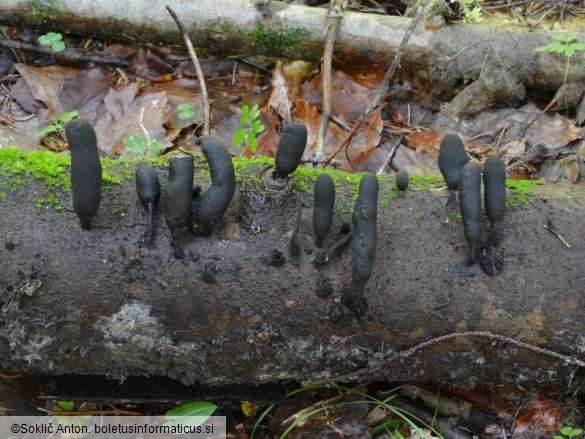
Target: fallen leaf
[544,417]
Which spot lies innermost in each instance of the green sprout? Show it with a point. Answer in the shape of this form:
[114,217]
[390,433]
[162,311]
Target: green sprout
[202,410]
[568,432]
[564,44]
[53,39]
[251,126]
[186,111]
[57,124]
[142,145]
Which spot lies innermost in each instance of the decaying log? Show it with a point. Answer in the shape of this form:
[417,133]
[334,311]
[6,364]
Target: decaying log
[449,58]
[237,310]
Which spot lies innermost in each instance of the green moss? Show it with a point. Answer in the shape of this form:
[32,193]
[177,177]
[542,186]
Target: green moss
[276,41]
[522,193]
[456,216]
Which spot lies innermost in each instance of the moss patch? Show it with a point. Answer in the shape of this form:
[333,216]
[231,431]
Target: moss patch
[522,193]
[276,40]
[18,168]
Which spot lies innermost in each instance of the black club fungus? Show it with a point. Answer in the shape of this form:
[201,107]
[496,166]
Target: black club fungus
[323,207]
[178,198]
[215,201]
[470,205]
[494,183]
[402,180]
[148,190]
[452,157]
[86,170]
[290,149]
[364,219]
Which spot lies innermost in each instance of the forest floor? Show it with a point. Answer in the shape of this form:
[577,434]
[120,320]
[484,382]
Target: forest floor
[154,105]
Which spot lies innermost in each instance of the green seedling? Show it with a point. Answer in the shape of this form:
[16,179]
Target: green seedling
[251,126]
[568,432]
[186,111]
[202,410]
[57,124]
[53,39]
[565,45]
[142,145]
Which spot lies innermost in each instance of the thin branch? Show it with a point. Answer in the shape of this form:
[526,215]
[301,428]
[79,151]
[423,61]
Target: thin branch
[384,86]
[70,55]
[200,77]
[332,28]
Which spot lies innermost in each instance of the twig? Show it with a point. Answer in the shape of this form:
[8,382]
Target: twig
[566,358]
[551,229]
[332,28]
[394,147]
[384,86]
[70,55]
[200,77]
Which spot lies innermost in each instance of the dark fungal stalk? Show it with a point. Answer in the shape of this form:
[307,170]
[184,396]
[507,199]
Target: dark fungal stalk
[494,183]
[402,180]
[148,190]
[214,202]
[290,149]
[178,198]
[470,205]
[86,170]
[323,208]
[452,158]
[364,219]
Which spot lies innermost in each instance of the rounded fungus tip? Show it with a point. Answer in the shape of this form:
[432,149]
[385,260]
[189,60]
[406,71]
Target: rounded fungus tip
[86,170]
[402,180]
[290,149]
[323,207]
[178,198]
[215,201]
[147,185]
[494,182]
[452,157]
[470,206]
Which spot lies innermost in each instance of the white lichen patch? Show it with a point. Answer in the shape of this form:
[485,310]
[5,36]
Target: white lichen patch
[132,326]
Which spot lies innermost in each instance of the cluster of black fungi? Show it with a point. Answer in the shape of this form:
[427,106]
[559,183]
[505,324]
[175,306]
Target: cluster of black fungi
[86,181]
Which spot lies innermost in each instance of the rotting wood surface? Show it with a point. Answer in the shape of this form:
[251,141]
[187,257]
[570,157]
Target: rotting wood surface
[98,303]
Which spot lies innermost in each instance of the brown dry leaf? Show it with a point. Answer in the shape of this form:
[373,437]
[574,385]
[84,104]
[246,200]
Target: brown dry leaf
[85,92]
[279,97]
[148,62]
[543,417]
[555,132]
[37,91]
[119,117]
[428,140]
[182,91]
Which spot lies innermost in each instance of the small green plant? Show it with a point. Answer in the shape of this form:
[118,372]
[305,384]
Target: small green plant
[404,418]
[186,111]
[251,126]
[53,39]
[563,44]
[57,124]
[142,144]
[568,432]
[474,10]
[199,409]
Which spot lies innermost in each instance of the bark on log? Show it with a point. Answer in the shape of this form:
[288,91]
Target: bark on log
[98,303]
[448,57]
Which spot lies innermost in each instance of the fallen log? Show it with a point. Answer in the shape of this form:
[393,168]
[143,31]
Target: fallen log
[238,310]
[449,58]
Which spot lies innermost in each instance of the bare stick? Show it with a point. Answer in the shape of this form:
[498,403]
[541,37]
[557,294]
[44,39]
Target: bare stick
[484,334]
[200,77]
[384,86]
[332,28]
[394,147]
[554,232]
[70,55]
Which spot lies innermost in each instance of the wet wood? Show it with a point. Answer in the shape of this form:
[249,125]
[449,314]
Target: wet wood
[100,303]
